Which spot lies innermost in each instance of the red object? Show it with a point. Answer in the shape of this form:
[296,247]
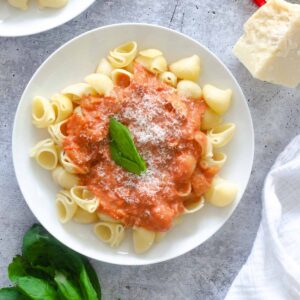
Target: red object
[259,2]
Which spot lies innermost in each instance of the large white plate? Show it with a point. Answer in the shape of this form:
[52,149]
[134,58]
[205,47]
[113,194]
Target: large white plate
[16,22]
[70,64]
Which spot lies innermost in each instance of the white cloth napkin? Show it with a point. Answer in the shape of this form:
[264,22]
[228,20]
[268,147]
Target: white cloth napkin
[272,271]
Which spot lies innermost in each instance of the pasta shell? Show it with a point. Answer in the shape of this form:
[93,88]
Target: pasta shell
[189,89]
[84,217]
[169,78]
[65,206]
[193,207]
[22,4]
[62,106]
[84,198]
[123,55]
[150,53]
[218,100]
[57,133]
[221,134]
[187,68]
[210,119]
[45,154]
[63,178]
[52,3]
[77,91]
[142,239]
[101,83]
[43,114]
[221,193]
[121,77]
[110,233]
[104,67]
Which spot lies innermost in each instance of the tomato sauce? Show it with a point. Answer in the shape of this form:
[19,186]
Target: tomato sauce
[163,126]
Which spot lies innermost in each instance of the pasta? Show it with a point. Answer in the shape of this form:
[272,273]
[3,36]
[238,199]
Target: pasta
[63,178]
[106,218]
[218,160]
[45,154]
[123,55]
[142,239]
[221,192]
[218,100]
[154,63]
[193,207]
[210,119]
[84,198]
[84,217]
[187,68]
[52,3]
[104,67]
[77,91]
[172,124]
[22,4]
[110,233]
[100,82]
[221,134]
[56,132]
[43,114]
[189,89]
[67,163]
[62,107]
[121,77]
[65,206]
[169,78]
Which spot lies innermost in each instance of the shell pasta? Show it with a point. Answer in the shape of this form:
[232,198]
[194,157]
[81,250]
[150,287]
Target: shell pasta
[23,4]
[136,146]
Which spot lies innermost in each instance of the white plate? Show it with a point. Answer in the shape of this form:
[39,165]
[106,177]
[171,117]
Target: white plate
[70,64]
[16,22]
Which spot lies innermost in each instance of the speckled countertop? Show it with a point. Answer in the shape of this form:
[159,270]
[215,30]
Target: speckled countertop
[207,271]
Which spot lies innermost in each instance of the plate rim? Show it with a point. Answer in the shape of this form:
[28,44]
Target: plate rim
[18,111]
[62,22]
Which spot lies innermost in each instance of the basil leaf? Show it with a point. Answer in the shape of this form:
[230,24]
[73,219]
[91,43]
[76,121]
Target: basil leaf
[11,294]
[122,161]
[66,287]
[36,289]
[123,150]
[17,268]
[40,248]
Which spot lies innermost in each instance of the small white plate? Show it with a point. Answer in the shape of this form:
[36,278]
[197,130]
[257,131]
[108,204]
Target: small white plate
[70,64]
[16,22]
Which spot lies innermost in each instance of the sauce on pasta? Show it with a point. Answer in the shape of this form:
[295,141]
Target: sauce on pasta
[165,129]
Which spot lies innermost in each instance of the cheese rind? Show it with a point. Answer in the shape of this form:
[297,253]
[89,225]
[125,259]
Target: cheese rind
[270,46]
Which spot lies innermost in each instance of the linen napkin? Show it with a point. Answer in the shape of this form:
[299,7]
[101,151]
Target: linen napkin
[272,270]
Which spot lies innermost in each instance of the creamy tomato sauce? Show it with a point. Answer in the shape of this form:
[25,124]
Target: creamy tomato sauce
[165,129]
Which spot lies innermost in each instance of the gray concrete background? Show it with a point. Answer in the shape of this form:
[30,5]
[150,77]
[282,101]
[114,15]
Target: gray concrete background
[207,271]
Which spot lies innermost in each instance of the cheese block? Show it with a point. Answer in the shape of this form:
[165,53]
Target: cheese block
[270,46]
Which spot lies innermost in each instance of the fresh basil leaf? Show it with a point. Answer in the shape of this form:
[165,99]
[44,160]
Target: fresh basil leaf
[123,150]
[36,289]
[40,248]
[11,294]
[66,287]
[93,277]
[17,268]
[122,161]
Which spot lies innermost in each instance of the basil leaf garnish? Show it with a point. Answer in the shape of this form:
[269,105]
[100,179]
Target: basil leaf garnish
[123,150]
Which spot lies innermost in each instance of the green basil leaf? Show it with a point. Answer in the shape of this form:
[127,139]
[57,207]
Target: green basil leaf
[93,276]
[41,248]
[11,294]
[36,289]
[122,161]
[66,287]
[17,268]
[123,150]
